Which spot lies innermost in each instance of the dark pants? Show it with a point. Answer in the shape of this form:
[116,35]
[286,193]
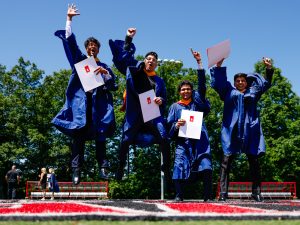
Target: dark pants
[12,190]
[78,153]
[254,173]
[80,139]
[205,175]
[164,147]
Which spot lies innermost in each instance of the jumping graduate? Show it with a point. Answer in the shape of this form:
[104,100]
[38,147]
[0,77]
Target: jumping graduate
[241,128]
[86,115]
[192,156]
[140,77]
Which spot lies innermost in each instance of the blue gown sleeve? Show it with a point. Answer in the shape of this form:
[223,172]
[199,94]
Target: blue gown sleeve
[198,96]
[258,84]
[71,48]
[219,81]
[172,120]
[122,58]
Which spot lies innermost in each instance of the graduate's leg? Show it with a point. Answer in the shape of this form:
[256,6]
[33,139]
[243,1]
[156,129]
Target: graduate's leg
[159,132]
[157,129]
[103,163]
[224,176]
[123,151]
[179,188]
[77,158]
[207,184]
[255,175]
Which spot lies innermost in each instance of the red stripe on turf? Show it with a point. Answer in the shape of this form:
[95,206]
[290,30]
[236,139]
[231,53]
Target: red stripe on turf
[55,208]
[210,208]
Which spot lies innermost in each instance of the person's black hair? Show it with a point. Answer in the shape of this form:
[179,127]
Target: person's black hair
[152,53]
[92,39]
[238,75]
[185,82]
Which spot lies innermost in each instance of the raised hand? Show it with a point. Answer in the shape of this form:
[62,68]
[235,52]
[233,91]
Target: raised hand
[131,32]
[72,11]
[267,62]
[219,64]
[197,56]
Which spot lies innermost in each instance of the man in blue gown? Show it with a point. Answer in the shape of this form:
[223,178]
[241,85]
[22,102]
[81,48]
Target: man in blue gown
[140,77]
[192,156]
[241,128]
[86,115]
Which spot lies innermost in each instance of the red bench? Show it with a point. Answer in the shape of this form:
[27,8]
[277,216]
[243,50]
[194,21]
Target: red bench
[271,190]
[69,190]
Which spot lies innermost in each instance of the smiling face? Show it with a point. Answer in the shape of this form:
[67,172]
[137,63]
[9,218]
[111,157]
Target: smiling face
[185,92]
[92,49]
[150,63]
[241,84]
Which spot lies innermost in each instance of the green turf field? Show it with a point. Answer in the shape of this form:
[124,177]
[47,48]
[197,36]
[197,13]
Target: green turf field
[209,222]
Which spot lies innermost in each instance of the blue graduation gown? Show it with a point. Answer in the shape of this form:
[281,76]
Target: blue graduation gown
[241,127]
[191,155]
[72,116]
[126,63]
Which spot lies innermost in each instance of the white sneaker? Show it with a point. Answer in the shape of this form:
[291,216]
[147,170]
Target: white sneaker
[43,199]
[52,198]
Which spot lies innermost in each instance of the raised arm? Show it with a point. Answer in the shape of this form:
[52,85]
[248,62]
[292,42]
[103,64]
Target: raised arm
[71,12]
[201,75]
[71,48]
[123,51]
[219,80]
[129,37]
[259,84]
[269,69]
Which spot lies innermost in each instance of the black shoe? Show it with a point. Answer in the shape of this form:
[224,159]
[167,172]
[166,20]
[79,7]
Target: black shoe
[257,197]
[223,197]
[178,199]
[76,176]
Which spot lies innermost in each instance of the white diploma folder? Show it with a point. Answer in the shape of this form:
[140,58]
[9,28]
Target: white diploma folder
[218,52]
[193,124]
[85,70]
[150,109]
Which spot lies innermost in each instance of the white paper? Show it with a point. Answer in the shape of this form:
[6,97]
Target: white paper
[218,52]
[85,70]
[150,109]
[193,124]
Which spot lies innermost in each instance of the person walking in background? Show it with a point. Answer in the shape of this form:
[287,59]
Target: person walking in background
[241,128]
[192,156]
[140,77]
[43,182]
[53,184]
[13,180]
[86,115]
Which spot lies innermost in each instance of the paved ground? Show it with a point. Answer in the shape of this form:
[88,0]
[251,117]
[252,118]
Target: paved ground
[147,210]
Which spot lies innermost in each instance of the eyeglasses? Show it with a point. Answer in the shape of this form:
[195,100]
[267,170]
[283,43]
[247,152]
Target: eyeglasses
[153,59]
